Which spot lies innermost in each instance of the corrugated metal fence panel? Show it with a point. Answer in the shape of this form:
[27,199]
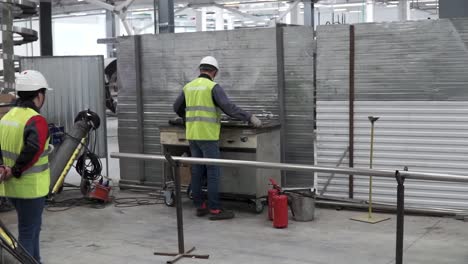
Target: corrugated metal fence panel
[247,73]
[332,143]
[426,61]
[299,101]
[421,60]
[127,109]
[332,62]
[413,75]
[78,84]
[428,136]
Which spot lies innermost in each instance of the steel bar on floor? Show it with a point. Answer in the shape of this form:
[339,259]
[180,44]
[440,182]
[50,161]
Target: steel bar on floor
[399,175]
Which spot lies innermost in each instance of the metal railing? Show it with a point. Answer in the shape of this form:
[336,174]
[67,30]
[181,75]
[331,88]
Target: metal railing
[400,177]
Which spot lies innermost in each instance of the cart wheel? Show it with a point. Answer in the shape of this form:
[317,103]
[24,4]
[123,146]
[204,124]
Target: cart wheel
[259,206]
[189,193]
[169,198]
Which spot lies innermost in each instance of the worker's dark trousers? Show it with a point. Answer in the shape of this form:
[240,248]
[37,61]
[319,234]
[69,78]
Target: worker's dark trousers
[205,149]
[29,213]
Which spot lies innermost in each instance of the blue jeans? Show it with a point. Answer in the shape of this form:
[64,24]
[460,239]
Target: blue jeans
[205,149]
[29,213]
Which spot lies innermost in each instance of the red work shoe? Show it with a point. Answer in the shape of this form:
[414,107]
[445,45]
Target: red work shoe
[221,214]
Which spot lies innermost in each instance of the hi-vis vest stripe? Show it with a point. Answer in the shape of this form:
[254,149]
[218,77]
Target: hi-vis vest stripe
[202,117]
[35,181]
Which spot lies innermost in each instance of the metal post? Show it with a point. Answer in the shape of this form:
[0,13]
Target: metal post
[180,218]
[372,119]
[45,24]
[110,33]
[400,217]
[156,16]
[281,88]
[403,10]
[351,110]
[309,16]
[166,16]
[139,104]
[7,49]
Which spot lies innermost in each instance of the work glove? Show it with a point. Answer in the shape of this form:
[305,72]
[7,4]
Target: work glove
[255,121]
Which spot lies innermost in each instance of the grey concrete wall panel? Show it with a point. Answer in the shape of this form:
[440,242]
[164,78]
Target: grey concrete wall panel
[299,48]
[453,8]
[78,84]
[423,60]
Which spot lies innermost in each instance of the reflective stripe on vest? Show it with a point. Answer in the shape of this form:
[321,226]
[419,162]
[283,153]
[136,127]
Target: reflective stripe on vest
[35,181]
[13,156]
[202,117]
[202,108]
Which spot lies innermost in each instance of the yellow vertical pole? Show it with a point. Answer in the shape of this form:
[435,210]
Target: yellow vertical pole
[370,166]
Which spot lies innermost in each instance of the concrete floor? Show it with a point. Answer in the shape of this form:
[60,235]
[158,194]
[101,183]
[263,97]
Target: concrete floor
[130,235]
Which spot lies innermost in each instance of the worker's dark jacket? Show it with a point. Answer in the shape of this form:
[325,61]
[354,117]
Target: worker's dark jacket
[220,99]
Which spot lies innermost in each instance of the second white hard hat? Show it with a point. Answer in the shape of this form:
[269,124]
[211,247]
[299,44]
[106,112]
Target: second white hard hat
[30,80]
[209,60]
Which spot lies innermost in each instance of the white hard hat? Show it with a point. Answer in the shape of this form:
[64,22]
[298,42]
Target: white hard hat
[209,60]
[30,80]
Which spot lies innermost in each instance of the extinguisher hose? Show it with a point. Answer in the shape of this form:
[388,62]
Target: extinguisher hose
[290,204]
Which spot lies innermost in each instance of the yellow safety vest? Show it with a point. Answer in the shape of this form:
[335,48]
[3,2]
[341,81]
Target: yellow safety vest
[35,181]
[202,117]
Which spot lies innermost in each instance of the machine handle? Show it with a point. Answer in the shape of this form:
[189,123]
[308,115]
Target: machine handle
[230,141]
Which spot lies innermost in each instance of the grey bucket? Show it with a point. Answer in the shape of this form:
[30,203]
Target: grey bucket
[302,205]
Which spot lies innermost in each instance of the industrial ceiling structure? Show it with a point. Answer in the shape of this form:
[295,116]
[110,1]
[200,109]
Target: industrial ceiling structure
[242,13]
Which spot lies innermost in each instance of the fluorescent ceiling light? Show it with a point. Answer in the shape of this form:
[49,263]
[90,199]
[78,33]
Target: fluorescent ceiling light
[392,5]
[432,4]
[339,9]
[355,11]
[248,22]
[393,2]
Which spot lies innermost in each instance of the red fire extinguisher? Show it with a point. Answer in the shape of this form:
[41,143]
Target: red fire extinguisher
[278,202]
[271,194]
[280,211]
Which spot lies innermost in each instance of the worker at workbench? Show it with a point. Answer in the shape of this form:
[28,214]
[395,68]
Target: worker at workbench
[200,103]
[24,169]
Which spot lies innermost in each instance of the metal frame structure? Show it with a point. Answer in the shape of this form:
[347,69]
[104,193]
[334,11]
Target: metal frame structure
[11,9]
[400,177]
[119,10]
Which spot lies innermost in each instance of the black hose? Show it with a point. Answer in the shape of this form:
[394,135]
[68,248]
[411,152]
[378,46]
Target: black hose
[89,170]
